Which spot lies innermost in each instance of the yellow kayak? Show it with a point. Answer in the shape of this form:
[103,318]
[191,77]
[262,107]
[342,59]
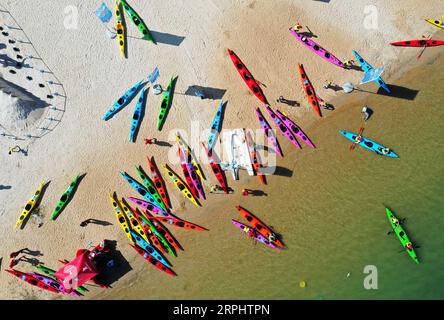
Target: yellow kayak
[181,185]
[30,206]
[127,211]
[120,28]
[438,23]
[186,147]
[120,216]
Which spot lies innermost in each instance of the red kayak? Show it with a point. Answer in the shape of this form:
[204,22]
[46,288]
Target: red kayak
[181,224]
[159,183]
[247,76]
[31,280]
[217,170]
[153,261]
[418,43]
[261,227]
[163,231]
[309,90]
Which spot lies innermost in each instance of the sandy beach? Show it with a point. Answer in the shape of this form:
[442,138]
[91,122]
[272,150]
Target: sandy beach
[192,42]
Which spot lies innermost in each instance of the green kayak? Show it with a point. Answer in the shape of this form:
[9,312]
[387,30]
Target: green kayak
[138,22]
[50,273]
[400,232]
[149,185]
[64,199]
[166,104]
[159,235]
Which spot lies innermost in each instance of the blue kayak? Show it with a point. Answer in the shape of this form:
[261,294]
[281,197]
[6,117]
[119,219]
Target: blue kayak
[141,190]
[123,101]
[368,68]
[137,116]
[369,144]
[216,126]
[149,248]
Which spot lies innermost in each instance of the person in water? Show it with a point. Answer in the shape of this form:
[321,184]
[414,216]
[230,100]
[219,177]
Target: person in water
[409,246]
[395,221]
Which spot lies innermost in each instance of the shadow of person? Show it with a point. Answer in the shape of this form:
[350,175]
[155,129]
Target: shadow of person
[257,193]
[3,187]
[32,261]
[163,143]
[34,253]
[99,222]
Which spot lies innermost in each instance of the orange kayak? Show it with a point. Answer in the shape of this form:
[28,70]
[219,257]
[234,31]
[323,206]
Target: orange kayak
[309,90]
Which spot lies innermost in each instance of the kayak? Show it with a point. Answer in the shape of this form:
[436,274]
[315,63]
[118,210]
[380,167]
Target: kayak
[313,46]
[182,224]
[283,128]
[54,284]
[164,231]
[186,173]
[216,126]
[123,220]
[309,91]
[269,132]
[137,115]
[30,205]
[159,183]
[369,144]
[257,236]
[297,131]
[217,170]
[140,189]
[368,68]
[133,222]
[150,249]
[32,280]
[402,236]
[254,157]
[247,76]
[148,257]
[194,177]
[123,101]
[181,185]
[151,236]
[50,273]
[149,185]
[438,23]
[261,227]
[138,22]
[120,28]
[149,206]
[418,43]
[186,147]
[159,236]
[65,198]
[166,104]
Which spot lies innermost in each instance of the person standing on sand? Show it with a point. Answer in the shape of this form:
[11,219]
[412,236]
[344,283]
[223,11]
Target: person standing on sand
[151,141]
[245,192]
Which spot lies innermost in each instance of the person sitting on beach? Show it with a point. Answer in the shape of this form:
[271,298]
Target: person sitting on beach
[215,188]
[245,192]
[328,84]
[349,63]
[297,27]
[13,263]
[150,141]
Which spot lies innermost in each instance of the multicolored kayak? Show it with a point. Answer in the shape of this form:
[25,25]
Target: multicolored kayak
[369,144]
[140,189]
[186,173]
[309,91]
[181,186]
[368,68]
[150,249]
[159,183]
[133,222]
[247,76]
[313,46]
[137,115]
[138,22]
[149,185]
[54,284]
[257,236]
[438,23]
[254,157]
[261,227]
[120,28]
[123,101]
[159,236]
[269,132]
[186,148]
[65,198]
[194,177]
[297,131]
[283,128]
[181,224]
[149,206]
[402,236]
[166,104]
[50,273]
[148,257]
[164,231]
[418,43]
[153,240]
[216,126]
[30,205]
[217,170]
[31,280]
[123,220]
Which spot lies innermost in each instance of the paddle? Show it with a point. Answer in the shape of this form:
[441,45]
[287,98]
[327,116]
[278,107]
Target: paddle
[425,47]
[353,146]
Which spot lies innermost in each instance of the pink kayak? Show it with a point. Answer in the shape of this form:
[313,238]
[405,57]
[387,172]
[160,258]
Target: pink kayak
[295,129]
[268,132]
[149,206]
[283,128]
[257,236]
[313,46]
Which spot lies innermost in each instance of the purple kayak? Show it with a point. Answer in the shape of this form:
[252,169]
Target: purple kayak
[283,128]
[150,207]
[313,46]
[54,284]
[295,129]
[258,237]
[268,132]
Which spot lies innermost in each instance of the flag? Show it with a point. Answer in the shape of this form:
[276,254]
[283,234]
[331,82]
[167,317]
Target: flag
[154,75]
[104,13]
